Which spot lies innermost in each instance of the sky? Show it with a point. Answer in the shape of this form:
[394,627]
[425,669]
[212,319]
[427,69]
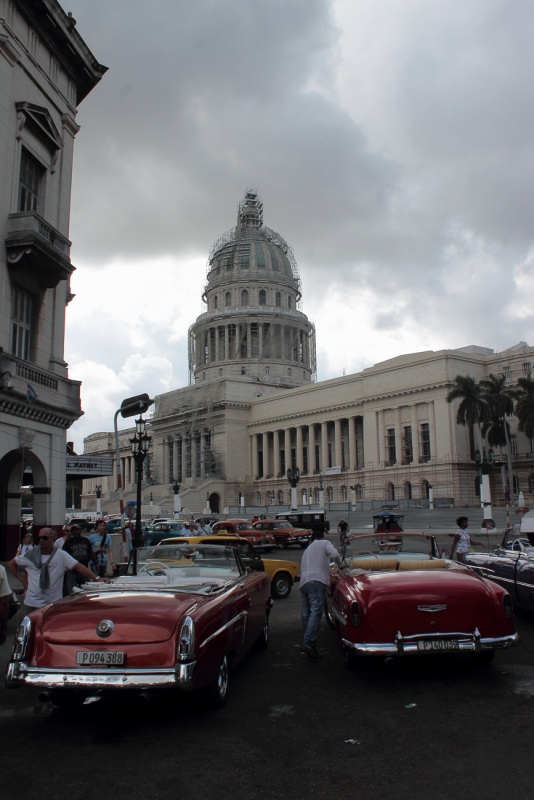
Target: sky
[390,141]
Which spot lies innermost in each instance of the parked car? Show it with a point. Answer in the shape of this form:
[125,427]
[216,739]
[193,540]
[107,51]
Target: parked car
[511,565]
[84,524]
[282,574]
[315,520]
[261,540]
[186,618]
[284,532]
[394,596]
[162,530]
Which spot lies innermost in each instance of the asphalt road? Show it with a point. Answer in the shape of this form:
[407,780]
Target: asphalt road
[435,727]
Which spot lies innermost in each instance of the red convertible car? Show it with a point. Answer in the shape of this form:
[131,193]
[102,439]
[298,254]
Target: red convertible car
[394,596]
[182,622]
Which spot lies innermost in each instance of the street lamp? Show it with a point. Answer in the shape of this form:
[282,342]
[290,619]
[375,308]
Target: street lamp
[485,464]
[98,492]
[177,499]
[293,476]
[140,446]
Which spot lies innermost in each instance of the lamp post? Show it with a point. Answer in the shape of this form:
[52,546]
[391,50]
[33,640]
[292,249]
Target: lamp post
[293,476]
[485,464]
[177,507]
[140,446]
[98,492]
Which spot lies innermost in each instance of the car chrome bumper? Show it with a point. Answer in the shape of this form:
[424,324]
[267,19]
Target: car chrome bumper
[19,673]
[407,645]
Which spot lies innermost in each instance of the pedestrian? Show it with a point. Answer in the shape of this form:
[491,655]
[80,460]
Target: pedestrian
[67,532]
[42,571]
[102,547]
[314,579]
[25,545]
[5,592]
[462,541]
[80,548]
[343,530]
[204,528]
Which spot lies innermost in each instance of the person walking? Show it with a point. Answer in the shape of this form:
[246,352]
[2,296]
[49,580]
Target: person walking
[462,541]
[80,548]
[343,530]
[67,533]
[102,547]
[41,571]
[314,579]
[25,545]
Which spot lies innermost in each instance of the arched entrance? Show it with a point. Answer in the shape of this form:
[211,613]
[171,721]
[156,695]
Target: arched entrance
[12,468]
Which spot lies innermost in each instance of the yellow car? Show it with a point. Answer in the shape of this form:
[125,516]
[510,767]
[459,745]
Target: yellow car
[283,574]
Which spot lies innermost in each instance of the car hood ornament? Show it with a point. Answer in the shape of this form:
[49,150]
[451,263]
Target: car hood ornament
[105,628]
[432,609]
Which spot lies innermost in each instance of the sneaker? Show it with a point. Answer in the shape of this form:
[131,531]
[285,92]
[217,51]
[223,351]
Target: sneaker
[310,651]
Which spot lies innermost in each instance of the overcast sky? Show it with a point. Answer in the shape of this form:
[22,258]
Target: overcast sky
[390,140]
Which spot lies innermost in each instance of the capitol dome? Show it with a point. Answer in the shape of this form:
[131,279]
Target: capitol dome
[253,326]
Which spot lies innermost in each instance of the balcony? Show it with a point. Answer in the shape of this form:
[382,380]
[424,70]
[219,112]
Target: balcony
[33,243]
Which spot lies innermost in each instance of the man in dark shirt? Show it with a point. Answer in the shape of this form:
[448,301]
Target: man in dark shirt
[80,548]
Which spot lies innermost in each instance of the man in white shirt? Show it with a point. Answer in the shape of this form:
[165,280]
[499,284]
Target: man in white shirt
[314,579]
[5,591]
[41,571]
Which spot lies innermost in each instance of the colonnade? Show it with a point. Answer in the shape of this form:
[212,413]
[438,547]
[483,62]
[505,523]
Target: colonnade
[186,455]
[253,340]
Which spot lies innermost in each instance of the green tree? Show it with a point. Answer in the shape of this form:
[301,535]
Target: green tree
[500,403]
[473,409]
[525,406]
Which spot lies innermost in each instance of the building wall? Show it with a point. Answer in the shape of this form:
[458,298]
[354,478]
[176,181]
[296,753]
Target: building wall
[46,69]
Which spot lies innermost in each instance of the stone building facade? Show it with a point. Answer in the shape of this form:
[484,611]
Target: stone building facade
[253,409]
[46,70]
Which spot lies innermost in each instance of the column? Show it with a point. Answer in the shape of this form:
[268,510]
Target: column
[299,453]
[185,473]
[338,461]
[287,447]
[175,472]
[432,426]
[324,445]
[255,463]
[353,460]
[276,453]
[415,436]
[311,449]
[226,356]
[398,436]
[265,446]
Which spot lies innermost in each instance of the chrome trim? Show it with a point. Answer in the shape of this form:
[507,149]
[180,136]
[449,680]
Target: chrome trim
[181,676]
[241,615]
[432,609]
[407,645]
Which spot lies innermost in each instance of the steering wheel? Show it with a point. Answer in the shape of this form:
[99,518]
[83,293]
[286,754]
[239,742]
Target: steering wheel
[156,568]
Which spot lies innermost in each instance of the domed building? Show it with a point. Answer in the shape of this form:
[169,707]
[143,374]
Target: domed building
[253,325]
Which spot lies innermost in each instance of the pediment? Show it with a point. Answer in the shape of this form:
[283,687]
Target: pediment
[38,119]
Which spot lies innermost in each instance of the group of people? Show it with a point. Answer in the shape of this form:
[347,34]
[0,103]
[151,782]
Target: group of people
[54,566]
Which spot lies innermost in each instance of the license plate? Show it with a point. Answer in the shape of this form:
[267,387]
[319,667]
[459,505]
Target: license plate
[96,658]
[438,645]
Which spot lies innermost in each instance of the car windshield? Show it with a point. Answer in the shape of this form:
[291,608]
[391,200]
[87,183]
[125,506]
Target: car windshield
[189,567]
[398,546]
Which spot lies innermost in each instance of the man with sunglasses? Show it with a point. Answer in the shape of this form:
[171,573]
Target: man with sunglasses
[41,571]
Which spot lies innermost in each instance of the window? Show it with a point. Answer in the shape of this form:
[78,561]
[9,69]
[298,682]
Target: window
[526,369]
[215,302]
[391,453]
[244,297]
[506,373]
[262,297]
[21,323]
[425,442]
[228,299]
[513,445]
[278,300]
[407,446]
[31,175]
[290,302]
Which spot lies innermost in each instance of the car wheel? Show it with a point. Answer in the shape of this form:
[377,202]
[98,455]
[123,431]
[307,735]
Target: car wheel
[281,544]
[484,658]
[216,693]
[281,585]
[263,638]
[329,616]
[66,698]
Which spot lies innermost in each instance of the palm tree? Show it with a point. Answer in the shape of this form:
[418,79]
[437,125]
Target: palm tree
[500,402]
[525,406]
[473,408]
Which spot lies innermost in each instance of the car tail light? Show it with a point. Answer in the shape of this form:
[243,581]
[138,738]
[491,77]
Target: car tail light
[508,606]
[22,640]
[186,641]
[355,614]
